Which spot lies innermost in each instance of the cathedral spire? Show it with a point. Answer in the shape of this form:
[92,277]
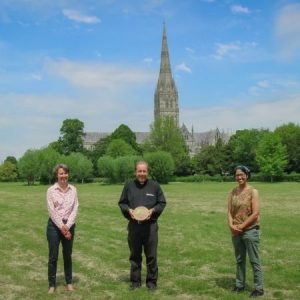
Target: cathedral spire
[166,95]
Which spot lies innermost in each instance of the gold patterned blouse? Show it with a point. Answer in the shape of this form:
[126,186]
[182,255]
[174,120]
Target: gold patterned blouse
[241,205]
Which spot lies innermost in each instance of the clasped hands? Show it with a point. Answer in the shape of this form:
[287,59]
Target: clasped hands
[236,229]
[151,210]
[66,232]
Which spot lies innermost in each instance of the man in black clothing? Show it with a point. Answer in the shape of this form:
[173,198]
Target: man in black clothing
[142,192]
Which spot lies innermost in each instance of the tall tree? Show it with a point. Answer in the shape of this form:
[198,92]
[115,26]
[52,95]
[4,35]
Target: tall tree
[71,136]
[166,136]
[212,159]
[124,133]
[81,168]
[118,147]
[243,145]
[29,166]
[271,156]
[11,159]
[290,138]
[8,171]
[48,159]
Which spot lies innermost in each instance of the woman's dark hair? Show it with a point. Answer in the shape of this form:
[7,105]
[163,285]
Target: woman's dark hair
[244,169]
[60,166]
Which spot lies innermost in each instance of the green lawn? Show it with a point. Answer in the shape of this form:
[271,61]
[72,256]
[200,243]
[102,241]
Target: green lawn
[195,254]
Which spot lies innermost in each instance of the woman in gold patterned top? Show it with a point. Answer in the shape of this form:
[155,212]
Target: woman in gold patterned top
[243,220]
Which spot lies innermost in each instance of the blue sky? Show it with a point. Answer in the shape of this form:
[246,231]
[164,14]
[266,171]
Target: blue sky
[236,65]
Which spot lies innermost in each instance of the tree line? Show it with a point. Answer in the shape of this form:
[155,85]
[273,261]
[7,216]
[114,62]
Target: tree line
[272,155]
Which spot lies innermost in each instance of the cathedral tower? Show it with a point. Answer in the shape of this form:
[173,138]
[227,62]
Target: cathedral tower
[166,95]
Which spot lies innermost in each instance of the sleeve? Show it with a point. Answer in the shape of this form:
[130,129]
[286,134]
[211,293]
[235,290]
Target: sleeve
[160,203]
[123,203]
[72,217]
[51,209]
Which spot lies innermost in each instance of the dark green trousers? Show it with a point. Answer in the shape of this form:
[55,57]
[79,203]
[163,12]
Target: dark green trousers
[248,242]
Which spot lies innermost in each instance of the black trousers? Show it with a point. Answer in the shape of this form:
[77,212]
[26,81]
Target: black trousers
[144,235]
[54,237]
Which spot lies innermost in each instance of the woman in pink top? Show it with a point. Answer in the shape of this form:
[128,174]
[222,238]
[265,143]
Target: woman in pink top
[62,206]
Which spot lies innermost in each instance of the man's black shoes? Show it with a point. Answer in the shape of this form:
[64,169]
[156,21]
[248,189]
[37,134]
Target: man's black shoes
[256,293]
[134,286]
[151,287]
[238,289]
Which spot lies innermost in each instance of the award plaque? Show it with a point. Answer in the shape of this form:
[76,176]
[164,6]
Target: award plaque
[141,213]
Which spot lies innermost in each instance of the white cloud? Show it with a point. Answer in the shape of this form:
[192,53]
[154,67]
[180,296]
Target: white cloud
[36,76]
[148,61]
[184,68]
[287,31]
[190,50]
[226,49]
[99,76]
[79,17]
[235,50]
[252,115]
[238,9]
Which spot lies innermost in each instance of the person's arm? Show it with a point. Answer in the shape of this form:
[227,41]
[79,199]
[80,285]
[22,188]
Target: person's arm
[161,203]
[255,212]
[124,204]
[52,211]
[72,217]
[233,228]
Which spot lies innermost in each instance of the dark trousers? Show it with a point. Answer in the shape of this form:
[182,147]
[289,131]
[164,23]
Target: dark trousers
[54,237]
[144,235]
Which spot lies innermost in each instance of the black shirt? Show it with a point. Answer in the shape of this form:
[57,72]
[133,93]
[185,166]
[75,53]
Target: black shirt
[149,194]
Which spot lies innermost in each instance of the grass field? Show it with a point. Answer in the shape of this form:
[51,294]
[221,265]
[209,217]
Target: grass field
[195,254]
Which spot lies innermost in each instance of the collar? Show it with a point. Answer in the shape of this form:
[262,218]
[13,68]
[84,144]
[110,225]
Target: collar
[57,187]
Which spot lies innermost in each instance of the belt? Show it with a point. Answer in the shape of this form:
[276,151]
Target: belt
[256,227]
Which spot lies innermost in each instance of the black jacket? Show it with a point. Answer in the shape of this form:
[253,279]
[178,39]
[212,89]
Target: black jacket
[148,194]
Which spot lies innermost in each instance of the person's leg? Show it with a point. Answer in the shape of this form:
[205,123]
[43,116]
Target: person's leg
[150,241]
[135,258]
[251,239]
[240,256]
[53,237]
[67,255]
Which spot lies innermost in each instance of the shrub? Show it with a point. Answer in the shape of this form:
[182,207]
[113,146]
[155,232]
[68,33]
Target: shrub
[161,165]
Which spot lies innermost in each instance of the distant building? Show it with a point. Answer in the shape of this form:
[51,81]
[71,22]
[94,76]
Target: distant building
[166,104]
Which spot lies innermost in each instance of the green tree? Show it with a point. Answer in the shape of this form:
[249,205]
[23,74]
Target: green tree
[81,168]
[48,159]
[8,171]
[71,139]
[271,156]
[161,165]
[118,147]
[106,168]
[11,159]
[243,146]
[213,159]
[166,136]
[124,133]
[29,166]
[290,138]
[125,168]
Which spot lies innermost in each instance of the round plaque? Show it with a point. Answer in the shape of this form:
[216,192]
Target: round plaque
[141,213]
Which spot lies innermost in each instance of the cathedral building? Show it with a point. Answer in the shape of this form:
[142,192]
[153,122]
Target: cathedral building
[166,104]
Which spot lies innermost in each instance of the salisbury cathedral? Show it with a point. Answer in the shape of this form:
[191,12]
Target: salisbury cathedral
[165,104]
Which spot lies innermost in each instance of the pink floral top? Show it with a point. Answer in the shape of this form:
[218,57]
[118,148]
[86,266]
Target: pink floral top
[241,205]
[62,204]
